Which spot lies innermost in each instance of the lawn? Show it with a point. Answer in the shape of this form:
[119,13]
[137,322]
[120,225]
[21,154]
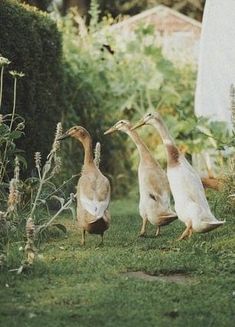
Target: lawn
[87,286]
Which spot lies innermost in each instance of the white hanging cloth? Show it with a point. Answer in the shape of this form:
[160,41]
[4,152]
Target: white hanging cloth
[216,70]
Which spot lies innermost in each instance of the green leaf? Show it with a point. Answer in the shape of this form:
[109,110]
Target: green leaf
[22,160]
[60,227]
[15,135]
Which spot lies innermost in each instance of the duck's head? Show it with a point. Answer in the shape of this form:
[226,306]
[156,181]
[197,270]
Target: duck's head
[121,125]
[77,132]
[148,119]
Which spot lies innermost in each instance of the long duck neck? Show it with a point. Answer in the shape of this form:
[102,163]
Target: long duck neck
[173,153]
[141,147]
[88,151]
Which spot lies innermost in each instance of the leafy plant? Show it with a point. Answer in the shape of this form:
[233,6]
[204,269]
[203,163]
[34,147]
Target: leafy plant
[109,76]
[24,202]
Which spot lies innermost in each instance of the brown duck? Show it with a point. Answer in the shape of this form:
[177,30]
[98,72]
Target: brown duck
[93,189]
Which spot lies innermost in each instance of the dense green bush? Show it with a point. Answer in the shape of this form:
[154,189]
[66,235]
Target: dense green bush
[32,43]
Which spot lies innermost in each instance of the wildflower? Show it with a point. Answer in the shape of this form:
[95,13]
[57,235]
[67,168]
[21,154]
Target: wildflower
[56,143]
[4,61]
[20,126]
[58,164]
[29,247]
[17,170]
[13,197]
[37,158]
[30,229]
[97,154]
[16,74]
[58,133]
[3,224]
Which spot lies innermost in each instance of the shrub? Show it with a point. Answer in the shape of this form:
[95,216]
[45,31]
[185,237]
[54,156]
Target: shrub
[102,87]
[126,79]
[32,43]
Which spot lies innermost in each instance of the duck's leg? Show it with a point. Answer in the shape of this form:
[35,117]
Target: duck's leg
[186,232]
[157,231]
[190,232]
[83,237]
[143,228]
[102,239]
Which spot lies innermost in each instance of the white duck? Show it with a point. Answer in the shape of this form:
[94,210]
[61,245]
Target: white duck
[93,189]
[191,204]
[154,204]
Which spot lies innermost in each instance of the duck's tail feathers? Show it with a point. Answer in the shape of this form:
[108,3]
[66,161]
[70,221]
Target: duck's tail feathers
[213,225]
[97,154]
[218,222]
[166,219]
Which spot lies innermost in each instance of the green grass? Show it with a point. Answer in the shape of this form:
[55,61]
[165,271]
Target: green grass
[75,286]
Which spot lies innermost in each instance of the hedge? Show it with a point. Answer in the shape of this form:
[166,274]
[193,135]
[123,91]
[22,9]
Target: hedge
[31,41]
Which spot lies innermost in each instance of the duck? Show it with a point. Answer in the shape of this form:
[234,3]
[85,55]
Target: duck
[93,188]
[154,202]
[186,186]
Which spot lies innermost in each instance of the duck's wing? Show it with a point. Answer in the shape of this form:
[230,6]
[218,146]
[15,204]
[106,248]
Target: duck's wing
[95,195]
[192,184]
[158,188]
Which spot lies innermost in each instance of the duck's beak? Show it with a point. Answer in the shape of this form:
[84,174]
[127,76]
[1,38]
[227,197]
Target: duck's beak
[138,124]
[64,136]
[110,131]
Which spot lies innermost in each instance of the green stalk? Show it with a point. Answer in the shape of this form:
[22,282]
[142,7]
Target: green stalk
[60,187]
[1,86]
[64,207]
[3,167]
[14,104]
[42,180]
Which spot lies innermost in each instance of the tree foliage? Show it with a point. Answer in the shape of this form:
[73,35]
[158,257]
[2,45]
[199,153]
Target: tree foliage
[193,8]
[32,43]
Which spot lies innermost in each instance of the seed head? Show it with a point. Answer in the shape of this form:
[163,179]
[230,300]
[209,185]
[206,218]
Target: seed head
[17,170]
[56,143]
[58,164]
[29,247]
[4,61]
[58,133]
[16,74]
[13,197]
[30,229]
[37,158]
[20,126]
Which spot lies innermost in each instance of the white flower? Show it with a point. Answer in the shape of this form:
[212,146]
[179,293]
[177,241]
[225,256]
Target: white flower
[16,74]
[37,158]
[4,61]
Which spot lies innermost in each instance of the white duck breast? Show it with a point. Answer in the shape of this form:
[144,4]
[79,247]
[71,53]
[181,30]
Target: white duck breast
[95,197]
[189,196]
[95,207]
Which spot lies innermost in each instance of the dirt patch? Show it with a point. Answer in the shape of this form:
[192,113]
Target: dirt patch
[177,278]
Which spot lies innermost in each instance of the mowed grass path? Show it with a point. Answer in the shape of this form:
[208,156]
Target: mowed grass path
[85,286]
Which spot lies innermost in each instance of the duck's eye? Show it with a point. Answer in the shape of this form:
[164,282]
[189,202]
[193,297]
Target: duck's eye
[122,122]
[149,115]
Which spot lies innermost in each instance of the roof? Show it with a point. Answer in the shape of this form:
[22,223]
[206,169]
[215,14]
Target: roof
[164,19]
